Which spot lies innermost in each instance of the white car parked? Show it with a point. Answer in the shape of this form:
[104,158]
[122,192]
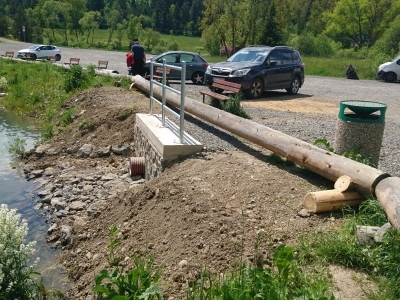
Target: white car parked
[40,51]
[389,71]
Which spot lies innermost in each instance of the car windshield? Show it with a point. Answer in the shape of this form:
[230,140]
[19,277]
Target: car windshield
[33,47]
[255,56]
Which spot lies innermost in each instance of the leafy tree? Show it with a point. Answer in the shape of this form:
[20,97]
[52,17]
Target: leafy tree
[315,23]
[112,15]
[3,24]
[121,29]
[75,14]
[149,38]
[195,11]
[90,22]
[49,13]
[389,43]
[361,21]
[95,5]
[271,34]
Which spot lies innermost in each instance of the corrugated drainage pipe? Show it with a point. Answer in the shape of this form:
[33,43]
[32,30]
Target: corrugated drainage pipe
[137,166]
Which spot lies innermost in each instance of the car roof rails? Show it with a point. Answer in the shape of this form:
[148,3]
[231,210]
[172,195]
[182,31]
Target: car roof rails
[258,46]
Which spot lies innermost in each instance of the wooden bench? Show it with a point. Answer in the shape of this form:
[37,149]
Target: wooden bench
[102,64]
[159,74]
[220,84]
[52,59]
[9,54]
[73,61]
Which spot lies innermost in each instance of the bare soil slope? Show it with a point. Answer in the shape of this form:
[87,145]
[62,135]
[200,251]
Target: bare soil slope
[208,210]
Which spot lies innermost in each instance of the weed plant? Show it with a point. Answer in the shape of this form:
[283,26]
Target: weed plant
[17,148]
[116,283]
[282,281]
[18,278]
[232,105]
[353,154]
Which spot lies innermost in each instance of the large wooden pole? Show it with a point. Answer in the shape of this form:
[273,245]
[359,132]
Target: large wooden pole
[388,193]
[320,161]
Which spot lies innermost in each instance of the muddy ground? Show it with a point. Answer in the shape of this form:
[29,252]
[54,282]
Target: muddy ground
[207,210]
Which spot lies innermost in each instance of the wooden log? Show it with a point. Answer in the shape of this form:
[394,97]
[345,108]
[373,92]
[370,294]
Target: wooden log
[388,194]
[344,183]
[320,161]
[330,200]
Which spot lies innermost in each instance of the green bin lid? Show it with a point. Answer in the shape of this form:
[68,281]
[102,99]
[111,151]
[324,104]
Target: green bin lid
[363,111]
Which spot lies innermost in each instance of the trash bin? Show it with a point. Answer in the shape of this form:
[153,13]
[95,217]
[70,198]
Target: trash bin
[360,127]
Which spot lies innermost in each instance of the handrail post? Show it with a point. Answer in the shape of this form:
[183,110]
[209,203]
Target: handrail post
[163,94]
[151,87]
[182,107]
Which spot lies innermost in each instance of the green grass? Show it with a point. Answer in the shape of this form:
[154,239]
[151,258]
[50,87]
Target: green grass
[30,95]
[320,66]
[336,67]
[380,260]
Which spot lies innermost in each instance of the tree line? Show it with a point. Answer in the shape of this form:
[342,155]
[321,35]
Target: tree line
[315,27]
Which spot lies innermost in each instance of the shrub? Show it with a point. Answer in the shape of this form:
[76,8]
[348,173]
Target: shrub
[173,45]
[16,276]
[3,84]
[17,149]
[75,79]
[67,117]
[232,105]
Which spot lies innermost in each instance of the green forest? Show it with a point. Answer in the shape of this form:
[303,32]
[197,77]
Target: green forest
[319,28]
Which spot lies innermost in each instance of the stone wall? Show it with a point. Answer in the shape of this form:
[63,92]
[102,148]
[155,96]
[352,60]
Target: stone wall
[154,163]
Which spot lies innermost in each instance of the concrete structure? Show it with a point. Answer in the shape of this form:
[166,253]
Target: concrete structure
[159,145]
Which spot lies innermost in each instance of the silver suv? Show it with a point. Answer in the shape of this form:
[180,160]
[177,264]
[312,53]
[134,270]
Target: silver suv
[261,68]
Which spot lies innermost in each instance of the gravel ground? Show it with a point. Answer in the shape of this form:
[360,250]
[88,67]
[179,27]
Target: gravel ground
[305,126]
[311,126]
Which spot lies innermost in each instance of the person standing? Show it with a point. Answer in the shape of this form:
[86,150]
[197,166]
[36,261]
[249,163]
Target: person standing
[139,57]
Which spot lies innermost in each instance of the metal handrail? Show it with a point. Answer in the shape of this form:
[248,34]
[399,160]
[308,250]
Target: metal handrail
[164,87]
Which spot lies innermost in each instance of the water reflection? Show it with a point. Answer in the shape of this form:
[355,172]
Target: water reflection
[17,193]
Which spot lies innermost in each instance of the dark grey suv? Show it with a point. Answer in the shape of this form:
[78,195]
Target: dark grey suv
[261,68]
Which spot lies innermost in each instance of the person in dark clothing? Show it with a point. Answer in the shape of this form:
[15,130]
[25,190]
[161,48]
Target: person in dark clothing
[139,57]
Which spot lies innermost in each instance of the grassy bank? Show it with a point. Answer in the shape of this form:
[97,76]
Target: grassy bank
[40,89]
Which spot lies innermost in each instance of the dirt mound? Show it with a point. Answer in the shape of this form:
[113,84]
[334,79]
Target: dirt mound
[209,210]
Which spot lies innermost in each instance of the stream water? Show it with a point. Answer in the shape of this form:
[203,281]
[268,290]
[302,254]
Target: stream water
[18,193]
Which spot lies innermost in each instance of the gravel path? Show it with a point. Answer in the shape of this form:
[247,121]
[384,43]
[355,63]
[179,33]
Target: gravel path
[305,126]
[311,126]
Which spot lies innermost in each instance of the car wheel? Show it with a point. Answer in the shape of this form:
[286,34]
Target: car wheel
[294,86]
[390,77]
[33,56]
[198,78]
[58,57]
[256,89]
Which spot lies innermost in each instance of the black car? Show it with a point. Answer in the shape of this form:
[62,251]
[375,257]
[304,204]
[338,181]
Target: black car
[261,68]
